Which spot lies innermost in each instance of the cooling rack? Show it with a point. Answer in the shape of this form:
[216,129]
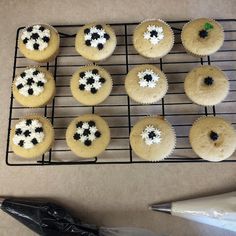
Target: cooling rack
[120,112]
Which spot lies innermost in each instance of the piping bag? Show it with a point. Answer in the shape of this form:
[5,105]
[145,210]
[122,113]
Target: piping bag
[49,219]
[218,210]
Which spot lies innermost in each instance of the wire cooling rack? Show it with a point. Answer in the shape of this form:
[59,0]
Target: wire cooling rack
[120,112]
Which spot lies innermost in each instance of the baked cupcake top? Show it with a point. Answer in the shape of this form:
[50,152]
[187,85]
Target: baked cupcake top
[153,39]
[206,85]
[95,41]
[33,87]
[202,37]
[91,84]
[213,138]
[146,84]
[88,135]
[152,138]
[31,136]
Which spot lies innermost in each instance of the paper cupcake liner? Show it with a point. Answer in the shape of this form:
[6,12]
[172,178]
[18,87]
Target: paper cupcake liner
[172,33]
[34,116]
[194,54]
[31,106]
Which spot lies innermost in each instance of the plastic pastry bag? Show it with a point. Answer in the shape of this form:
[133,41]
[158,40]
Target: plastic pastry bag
[48,219]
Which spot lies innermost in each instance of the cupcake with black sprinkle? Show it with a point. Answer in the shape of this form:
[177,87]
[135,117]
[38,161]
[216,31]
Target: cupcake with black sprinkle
[88,135]
[34,87]
[31,136]
[91,84]
[95,42]
[39,42]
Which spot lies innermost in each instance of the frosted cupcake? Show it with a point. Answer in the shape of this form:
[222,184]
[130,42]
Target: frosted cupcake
[213,138]
[146,84]
[152,138]
[202,37]
[34,87]
[95,42]
[153,39]
[39,42]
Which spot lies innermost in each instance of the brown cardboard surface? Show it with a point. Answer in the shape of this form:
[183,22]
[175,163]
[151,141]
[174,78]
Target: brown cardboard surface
[114,195]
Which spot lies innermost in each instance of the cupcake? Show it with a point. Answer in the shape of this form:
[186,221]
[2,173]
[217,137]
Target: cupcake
[152,138]
[206,85]
[202,37]
[91,85]
[39,43]
[31,136]
[153,39]
[34,87]
[146,84]
[95,42]
[88,135]
[213,138]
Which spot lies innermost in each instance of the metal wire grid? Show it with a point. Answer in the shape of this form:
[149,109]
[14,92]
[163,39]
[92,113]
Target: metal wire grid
[121,112]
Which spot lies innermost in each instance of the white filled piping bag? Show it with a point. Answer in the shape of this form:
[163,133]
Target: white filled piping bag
[217,210]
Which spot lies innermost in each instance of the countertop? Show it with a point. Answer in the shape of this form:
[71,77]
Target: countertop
[108,195]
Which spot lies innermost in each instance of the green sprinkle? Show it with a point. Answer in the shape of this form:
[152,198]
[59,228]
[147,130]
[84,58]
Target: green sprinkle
[208,26]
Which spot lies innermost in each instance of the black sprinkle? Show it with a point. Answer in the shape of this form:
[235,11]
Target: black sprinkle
[152,135]
[208,80]
[76,136]
[82,87]
[41,28]
[28,122]
[23,74]
[203,34]
[29,29]
[30,81]
[95,36]
[39,129]
[153,33]
[97,134]
[106,36]
[86,132]
[95,71]
[91,123]
[148,78]
[36,46]
[90,80]
[87,142]
[102,80]
[81,74]
[35,72]
[30,91]
[93,90]
[40,84]
[99,27]
[19,86]
[214,136]
[25,40]
[87,31]
[21,143]
[18,131]
[27,133]
[88,42]
[34,141]
[100,46]
[79,124]
[46,39]
[34,36]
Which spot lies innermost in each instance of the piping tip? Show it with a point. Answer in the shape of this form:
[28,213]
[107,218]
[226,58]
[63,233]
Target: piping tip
[164,207]
[1,201]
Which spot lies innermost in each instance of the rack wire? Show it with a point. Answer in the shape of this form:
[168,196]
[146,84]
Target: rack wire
[119,110]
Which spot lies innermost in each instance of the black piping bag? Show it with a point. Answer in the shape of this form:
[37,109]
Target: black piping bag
[49,219]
